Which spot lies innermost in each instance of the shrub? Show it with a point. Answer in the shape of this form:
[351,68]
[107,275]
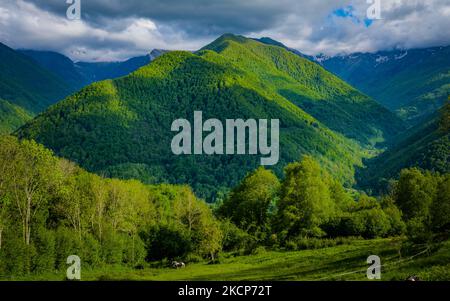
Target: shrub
[15,256]
[193,258]
[259,250]
[417,230]
[67,243]
[291,245]
[396,225]
[45,258]
[377,224]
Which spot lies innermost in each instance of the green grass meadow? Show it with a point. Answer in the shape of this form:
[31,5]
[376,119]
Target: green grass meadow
[343,262]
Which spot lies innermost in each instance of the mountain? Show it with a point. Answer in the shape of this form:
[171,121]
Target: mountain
[414,82]
[80,74]
[122,127]
[426,146]
[25,89]
[316,91]
[26,84]
[270,41]
[60,65]
[31,81]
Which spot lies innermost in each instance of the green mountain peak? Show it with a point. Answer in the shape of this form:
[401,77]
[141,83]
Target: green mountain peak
[122,127]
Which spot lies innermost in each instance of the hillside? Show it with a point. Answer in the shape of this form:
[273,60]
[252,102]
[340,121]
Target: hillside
[33,80]
[26,84]
[59,65]
[426,146]
[122,127]
[316,91]
[11,117]
[414,82]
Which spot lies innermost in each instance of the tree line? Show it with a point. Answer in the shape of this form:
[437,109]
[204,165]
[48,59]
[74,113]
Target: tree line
[50,208]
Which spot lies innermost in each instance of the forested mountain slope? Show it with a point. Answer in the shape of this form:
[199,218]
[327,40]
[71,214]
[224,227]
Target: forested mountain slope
[26,84]
[426,146]
[413,82]
[122,127]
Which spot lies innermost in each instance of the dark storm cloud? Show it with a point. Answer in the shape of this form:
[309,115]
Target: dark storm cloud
[195,17]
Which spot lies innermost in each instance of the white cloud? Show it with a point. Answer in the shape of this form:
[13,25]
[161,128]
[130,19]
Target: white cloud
[26,26]
[111,30]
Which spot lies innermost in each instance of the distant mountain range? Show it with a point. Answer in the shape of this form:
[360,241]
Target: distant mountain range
[80,74]
[415,83]
[122,127]
[31,81]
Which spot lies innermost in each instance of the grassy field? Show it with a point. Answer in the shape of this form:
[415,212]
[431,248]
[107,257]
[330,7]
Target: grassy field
[344,262]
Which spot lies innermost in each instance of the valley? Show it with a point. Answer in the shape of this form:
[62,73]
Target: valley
[133,164]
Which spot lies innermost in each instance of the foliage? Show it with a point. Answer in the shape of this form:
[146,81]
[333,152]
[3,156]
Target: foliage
[50,209]
[11,117]
[249,203]
[305,202]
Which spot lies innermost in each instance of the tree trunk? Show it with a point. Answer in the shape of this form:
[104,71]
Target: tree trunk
[28,222]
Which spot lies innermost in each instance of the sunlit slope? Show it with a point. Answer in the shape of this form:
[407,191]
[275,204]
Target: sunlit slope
[122,127]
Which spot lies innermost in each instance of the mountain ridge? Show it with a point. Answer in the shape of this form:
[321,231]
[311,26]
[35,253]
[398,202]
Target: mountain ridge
[121,127]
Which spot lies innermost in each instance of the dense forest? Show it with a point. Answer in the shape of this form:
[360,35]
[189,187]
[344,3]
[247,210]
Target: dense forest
[121,128]
[413,83]
[26,84]
[50,209]
[425,146]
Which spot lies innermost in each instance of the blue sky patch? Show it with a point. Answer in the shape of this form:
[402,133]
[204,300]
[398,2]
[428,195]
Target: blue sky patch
[347,12]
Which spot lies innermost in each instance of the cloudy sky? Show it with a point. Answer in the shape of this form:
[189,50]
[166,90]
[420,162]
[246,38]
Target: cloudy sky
[119,29]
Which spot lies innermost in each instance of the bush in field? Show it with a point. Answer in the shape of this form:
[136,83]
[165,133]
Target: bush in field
[418,231]
[304,243]
[423,198]
[377,223]
[396,224]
